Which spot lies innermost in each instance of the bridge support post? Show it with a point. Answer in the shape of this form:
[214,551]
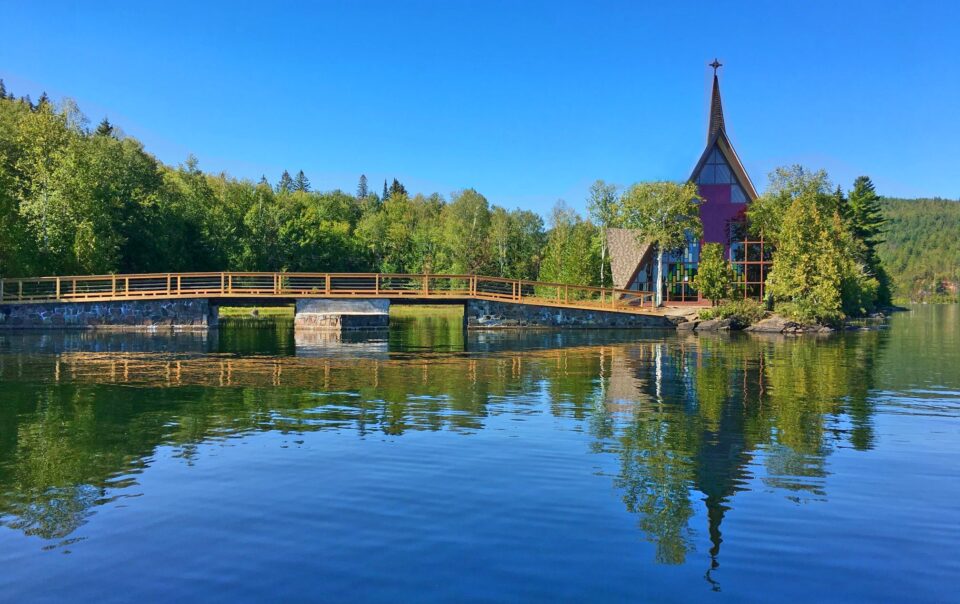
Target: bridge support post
[341,315]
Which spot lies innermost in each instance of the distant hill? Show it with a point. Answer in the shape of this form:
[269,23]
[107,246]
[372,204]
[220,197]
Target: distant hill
[922,248]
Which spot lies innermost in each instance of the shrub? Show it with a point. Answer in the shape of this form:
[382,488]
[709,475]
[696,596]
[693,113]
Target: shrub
[742,312]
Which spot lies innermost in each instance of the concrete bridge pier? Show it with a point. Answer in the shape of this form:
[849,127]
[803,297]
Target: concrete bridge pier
[341,315]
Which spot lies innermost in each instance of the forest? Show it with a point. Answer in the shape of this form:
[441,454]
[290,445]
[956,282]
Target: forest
[77,199]
[921,248]
[81,200]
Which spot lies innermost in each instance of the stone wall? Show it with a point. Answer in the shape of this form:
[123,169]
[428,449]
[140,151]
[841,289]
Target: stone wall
[341,315]
[484,314]
[130,315]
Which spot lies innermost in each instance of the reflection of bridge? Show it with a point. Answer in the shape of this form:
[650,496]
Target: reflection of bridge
[488,294]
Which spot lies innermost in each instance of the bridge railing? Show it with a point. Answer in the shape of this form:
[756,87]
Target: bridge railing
[93,288]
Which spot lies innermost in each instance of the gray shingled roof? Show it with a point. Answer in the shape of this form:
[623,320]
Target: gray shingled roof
[626,254]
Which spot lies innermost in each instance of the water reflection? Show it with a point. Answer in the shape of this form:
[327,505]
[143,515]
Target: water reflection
[690,419]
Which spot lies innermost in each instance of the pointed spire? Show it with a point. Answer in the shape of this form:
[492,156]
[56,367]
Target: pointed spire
[716,107]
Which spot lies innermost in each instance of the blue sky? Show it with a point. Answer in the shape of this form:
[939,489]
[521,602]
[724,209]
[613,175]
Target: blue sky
[528,102]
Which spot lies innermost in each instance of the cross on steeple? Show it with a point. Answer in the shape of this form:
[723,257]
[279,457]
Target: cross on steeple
[716,65]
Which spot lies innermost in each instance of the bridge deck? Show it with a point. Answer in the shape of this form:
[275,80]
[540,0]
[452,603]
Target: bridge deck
[109,288]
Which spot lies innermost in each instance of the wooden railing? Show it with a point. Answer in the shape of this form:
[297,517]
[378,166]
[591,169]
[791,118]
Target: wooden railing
[101,288]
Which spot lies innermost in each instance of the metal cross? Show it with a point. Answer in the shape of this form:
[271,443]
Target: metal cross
[716,65]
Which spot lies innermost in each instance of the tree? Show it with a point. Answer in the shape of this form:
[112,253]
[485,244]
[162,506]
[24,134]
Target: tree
[362,191]
[713,274]
[767,213]
[286,183]
[301,182]
[602,205]
[664,214]
[396,188]
[868,224]
[466,228]
[105,128]
[569,256]
[386,193]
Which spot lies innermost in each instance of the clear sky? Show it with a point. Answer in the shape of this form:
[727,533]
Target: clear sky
[527,102]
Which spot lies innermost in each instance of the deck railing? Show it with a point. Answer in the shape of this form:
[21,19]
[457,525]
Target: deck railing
[102,288]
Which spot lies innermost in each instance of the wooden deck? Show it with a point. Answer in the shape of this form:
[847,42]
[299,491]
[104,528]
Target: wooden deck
[398,287]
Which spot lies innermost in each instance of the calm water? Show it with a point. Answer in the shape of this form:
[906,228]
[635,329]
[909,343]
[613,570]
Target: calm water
[587,466]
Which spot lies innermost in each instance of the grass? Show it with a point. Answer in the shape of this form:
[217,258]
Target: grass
[263,312]
[426,310]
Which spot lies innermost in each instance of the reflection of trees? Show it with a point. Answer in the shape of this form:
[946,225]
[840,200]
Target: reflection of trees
[708,406]
[681,415]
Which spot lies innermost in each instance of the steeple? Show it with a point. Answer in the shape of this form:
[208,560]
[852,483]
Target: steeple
[716,107]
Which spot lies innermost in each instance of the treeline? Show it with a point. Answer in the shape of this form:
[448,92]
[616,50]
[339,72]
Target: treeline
[81,200]
[921,250]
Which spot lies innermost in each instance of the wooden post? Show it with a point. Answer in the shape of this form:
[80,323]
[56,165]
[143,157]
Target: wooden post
[566,294]
[426,285]
[178,285]
[221,282]
[168,284]
[376,284]
[126,286]
[1,290]
[58,288]
[230,284]
[113,286]
[327,280]
[20,290]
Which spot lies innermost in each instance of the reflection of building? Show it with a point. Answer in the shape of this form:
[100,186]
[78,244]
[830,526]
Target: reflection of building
[727,190]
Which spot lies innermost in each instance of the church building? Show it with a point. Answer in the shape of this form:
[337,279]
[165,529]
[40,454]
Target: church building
[726,190]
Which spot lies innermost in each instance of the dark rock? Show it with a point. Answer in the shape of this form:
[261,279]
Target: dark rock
[687,325]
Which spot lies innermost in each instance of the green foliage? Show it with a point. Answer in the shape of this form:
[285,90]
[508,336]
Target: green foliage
[665,214]
[921,250]
[817,274]
[714,273]
[604,209]
[79,201]
[744,312]
[570,256]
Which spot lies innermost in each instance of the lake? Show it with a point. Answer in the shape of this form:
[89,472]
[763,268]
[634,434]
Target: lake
[431,465]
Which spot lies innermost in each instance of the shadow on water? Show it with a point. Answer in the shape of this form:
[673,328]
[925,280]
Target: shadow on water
[688,418]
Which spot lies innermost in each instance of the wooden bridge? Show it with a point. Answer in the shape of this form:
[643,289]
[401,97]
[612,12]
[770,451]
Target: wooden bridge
[287,286]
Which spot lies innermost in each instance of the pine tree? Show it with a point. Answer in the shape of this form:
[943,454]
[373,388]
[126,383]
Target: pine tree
[362,191]
[385,192]
[301,182]
[866,219]
[714,274]
[264,181]
[866,222]
[104,129]
[843,204]
[286,183]
[396,188]
[44,101]
[3,90]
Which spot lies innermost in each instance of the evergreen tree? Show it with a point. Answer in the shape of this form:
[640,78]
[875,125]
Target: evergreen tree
[385,192]
[301,182]
[3,90]
[714,274]
[264,181]
[362,191]
[397,189]
[44,101]
[286,183]
[866,218]
[867,223]
[104,129]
